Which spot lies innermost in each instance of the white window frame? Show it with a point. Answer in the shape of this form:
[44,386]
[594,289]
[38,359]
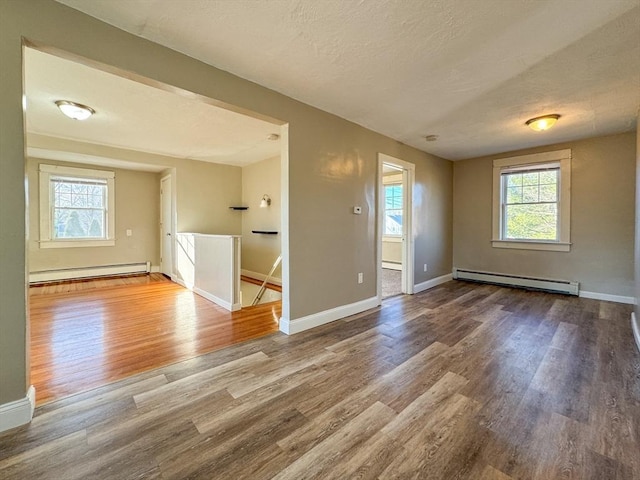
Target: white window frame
[563,158]
[46,240]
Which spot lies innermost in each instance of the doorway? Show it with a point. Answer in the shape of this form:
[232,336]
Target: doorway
[178,176]
[395,218]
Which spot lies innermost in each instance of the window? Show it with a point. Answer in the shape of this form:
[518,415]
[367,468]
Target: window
[76,207]
[393,208]
[532,201]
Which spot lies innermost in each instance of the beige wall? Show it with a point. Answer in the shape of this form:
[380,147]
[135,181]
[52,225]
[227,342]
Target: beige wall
[260,251]
[602,217]
[204,191]
[137,196]
[391,251]
[332,165]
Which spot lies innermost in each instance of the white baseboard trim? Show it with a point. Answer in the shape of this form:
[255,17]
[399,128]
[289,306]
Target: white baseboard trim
[392,266]
[20,412]
[316,319]
[434,282]
[155,269]
[635,326]
[607,297]
[212,298]
[88,272]
[261,277]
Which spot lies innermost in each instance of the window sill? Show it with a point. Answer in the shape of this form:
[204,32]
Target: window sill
[76,243]
[532,245]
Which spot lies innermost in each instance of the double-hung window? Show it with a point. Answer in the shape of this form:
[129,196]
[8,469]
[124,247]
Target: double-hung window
[532,201]
[393,208]
[76,207]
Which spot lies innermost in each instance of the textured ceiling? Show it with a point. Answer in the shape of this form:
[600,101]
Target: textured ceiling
[470,71]
[139,117]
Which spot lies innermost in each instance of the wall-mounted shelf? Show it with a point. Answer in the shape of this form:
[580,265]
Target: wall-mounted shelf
[238,208]
[265,232]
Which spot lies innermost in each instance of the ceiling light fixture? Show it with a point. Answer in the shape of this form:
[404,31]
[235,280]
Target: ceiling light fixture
[273,137]
[431,138]
[74,110]
[545,122]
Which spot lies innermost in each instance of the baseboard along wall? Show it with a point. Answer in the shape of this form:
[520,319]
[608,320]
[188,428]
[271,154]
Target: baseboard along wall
[20,412]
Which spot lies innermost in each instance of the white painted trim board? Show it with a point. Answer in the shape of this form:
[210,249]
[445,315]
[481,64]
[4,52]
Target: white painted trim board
[434,282]
[635,326]
[607,297]
[19,412]
[316,319]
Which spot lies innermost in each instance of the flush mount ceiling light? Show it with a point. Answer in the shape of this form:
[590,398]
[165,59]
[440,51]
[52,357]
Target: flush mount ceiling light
[545,122]
[273,137]
[74,110]
[431,138]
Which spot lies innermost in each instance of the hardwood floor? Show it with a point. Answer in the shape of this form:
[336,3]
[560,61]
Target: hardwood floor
[86,334]
[463,381]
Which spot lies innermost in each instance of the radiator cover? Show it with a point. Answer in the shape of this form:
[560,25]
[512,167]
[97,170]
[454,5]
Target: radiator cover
[550,285]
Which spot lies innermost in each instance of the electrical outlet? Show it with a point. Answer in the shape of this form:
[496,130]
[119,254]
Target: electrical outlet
[129,232]
[425,267]
[360,277]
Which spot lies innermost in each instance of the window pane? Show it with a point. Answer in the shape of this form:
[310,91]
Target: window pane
[549,176]
[393,222]
[78,209]
[530,178]
[514,179]
[530,194]
[549,193]
[393,210]
[78,223]
[531,222]
[514,195]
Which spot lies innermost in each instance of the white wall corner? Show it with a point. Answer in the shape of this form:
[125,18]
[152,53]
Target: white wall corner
[434,282]
[635,326]
[607,297]
[316,319]
[19,412]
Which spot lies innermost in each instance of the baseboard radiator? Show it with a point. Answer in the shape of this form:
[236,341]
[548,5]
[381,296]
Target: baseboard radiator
[546,284]
[88,272]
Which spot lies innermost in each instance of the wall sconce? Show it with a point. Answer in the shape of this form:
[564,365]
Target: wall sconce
[266,201]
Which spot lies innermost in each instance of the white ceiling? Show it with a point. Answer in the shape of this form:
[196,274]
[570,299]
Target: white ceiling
[139,117]
[470,71]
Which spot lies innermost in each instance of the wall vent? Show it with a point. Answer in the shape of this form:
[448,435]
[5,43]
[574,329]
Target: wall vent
[546,284]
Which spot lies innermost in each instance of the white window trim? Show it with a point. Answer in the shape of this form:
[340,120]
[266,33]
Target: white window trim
[46,171]
[564,238]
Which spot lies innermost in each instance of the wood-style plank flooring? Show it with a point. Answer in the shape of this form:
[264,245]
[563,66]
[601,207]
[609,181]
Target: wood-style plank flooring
[463,381]
[89,333]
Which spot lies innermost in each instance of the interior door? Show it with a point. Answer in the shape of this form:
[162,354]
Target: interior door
[166,227]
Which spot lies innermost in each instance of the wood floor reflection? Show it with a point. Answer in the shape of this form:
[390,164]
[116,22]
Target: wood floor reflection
[90,333]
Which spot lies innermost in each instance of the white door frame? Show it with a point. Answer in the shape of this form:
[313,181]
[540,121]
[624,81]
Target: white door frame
[408,176]
[172,231]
